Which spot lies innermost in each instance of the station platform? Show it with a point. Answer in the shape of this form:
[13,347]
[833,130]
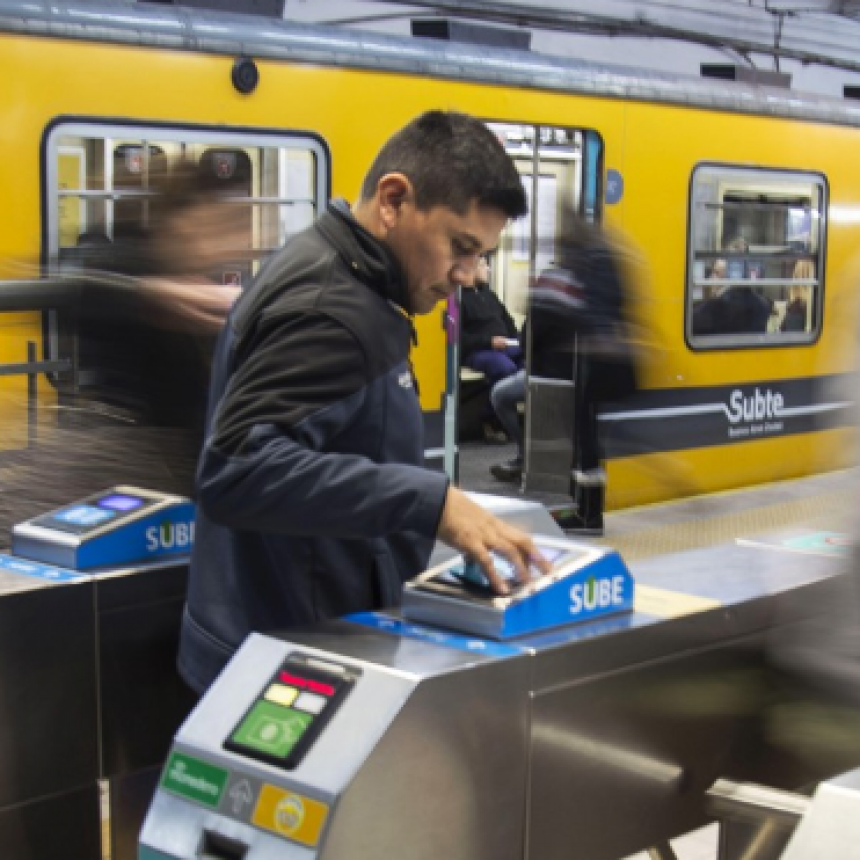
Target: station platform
[819,501]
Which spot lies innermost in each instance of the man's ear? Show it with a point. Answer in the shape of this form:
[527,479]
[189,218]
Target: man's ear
[393,190]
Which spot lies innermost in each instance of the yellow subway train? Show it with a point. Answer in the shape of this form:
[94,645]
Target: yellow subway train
[711,183]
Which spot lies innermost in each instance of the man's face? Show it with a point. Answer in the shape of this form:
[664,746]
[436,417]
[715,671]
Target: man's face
[439,249]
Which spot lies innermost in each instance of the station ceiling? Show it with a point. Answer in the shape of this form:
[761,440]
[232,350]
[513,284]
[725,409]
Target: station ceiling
[825,32]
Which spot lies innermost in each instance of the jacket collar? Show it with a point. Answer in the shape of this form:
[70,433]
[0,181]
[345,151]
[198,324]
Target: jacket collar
[368,258]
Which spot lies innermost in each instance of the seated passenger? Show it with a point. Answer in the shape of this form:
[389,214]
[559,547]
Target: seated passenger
[731,309]
[552,356]
[797,309]
[488,340]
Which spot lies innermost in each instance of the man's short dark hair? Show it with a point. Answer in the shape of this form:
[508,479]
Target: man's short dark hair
[451,160]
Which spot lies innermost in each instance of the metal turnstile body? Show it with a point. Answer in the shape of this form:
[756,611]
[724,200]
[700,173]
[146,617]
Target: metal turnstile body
[88,670]
[595,740]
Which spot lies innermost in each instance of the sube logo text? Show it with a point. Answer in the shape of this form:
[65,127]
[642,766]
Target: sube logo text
[169,536]
[596,594]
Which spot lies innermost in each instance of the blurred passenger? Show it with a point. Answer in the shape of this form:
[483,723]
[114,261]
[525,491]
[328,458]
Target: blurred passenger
[731,308]
[148,339]
[587,295]
[488,341]
[147,319]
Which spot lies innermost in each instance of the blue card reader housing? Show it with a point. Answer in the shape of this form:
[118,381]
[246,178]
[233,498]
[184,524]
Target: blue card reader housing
[585,582]
[119,526]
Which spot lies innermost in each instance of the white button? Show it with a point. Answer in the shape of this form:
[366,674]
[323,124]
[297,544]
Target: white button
[310,702]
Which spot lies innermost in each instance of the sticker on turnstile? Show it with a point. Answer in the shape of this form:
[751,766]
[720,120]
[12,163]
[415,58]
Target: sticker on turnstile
[826,543]
[290,815]
[291,711]
[194,779]
[13,564]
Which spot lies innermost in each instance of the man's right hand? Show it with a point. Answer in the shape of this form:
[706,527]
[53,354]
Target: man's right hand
[475,532]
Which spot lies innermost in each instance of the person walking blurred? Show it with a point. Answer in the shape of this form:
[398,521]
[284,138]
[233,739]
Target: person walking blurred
[587,298]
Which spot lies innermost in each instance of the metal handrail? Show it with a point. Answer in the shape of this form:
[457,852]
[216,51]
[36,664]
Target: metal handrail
[42,296]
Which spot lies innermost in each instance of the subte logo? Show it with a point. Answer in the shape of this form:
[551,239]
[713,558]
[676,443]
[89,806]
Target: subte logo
[169,536]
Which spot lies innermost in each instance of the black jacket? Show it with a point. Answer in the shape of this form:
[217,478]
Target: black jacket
[312,499]
[483,317]
[739,310]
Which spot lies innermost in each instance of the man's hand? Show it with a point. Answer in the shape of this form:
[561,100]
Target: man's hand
[469,528]
[499,343]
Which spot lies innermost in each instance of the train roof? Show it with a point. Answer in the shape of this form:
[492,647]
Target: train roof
[180,28]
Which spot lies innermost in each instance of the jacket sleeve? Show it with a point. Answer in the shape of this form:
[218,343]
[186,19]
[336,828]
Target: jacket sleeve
[277,456]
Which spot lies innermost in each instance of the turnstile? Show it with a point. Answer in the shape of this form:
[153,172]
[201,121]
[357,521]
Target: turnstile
[88,674]
[378,736]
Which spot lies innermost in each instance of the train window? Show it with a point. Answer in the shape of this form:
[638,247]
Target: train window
[755,257]
[101,178]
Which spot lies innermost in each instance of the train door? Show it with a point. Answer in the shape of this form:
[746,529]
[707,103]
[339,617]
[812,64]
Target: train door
[560,167]
[99,184]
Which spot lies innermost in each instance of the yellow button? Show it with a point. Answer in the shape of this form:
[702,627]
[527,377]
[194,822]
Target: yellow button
[281,695]
[291,815]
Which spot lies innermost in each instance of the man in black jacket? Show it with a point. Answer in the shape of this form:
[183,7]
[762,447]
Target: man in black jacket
[312,499]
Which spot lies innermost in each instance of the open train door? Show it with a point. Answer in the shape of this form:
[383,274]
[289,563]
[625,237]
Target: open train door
[561,169]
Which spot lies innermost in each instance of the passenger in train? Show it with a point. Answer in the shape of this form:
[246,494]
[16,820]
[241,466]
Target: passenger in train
[488,341]
[313,499]
[797,309]
[552,355]
[731,308]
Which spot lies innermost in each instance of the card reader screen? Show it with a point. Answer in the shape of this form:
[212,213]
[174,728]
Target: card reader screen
[83,516]
[470,573]
[289,713]
[120,503]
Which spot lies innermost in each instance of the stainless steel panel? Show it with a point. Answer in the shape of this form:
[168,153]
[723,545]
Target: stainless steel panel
[416,658]
[756,589]
[549,434]
[142,699]
[635,749]
[643,721]
[595,741]
[65,826]
[448,779]
[48,720]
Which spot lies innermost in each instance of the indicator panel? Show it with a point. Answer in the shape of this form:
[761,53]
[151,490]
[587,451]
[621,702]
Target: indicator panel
[120,502]
[289,714]
[94,512]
